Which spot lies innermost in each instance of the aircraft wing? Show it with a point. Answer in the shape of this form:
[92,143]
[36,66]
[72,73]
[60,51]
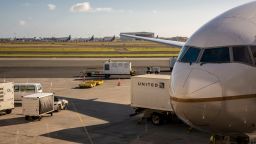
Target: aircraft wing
[162,41]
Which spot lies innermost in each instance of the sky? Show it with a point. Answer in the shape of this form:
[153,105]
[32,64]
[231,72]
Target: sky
[84,18]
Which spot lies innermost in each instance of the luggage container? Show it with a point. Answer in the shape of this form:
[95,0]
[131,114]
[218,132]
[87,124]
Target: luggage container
[36,105]
[150,94]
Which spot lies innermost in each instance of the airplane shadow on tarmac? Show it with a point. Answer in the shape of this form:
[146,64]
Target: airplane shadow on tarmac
[120,127]
[12,121]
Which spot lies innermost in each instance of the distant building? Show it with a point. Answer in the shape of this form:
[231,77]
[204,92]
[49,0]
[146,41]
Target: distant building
[178,38]
[5,39]
[143,34]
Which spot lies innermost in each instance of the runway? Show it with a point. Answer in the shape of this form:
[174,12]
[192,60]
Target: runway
[67,67]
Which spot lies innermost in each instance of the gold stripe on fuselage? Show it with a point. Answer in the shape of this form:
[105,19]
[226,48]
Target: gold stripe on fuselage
[213,99]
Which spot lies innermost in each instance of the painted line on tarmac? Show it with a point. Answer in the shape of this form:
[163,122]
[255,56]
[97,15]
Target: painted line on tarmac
[146,126]
[17,136]
[82,122]
[47,129]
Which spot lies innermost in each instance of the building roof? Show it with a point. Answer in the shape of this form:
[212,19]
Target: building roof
[27,83]
[38,95]
[139,33]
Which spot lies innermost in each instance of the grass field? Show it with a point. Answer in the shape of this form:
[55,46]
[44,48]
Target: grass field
[87,55]
[89,49]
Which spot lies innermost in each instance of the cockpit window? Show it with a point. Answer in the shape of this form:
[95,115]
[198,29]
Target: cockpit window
[253,48]
[216,55]
[182,52]
[241,54]
[191,55]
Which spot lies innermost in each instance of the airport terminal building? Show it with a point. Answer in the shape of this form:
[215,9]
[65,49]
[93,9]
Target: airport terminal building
[143,34]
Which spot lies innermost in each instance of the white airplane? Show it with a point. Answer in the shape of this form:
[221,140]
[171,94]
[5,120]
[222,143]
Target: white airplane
[214,80]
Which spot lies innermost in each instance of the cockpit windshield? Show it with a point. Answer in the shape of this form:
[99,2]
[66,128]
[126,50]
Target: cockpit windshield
[241,54]
[253,48]
[190,55]
[216,55]
[234,54]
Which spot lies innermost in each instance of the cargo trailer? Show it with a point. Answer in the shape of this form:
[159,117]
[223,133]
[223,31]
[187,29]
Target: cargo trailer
[150,94]
[36,105]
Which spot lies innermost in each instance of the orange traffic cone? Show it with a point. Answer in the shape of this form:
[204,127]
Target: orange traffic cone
[119,82]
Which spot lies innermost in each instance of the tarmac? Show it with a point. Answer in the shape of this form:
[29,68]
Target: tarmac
[99,115]
[67,67]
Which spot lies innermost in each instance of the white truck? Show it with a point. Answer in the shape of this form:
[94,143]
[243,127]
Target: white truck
[36,105]
[153,70]
[172,62]
[60,104]
[150,94]
[23,89]
[6,97]
[111,68]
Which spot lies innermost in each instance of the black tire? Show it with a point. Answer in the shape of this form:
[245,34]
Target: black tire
[107,76]
[156,119]
[132,73]
[58,108]
[66,107]
[34,118]
[89,74]
[27,117]
[8,111]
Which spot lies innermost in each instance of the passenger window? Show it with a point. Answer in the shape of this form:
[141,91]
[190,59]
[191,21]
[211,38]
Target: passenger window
[114,64]
[106,66]
[22,88]
[120,64]
[253,48]
[31,88]
[39,88]
[216,55]
[241,54]
[126,65]
[191,55]
[16,88]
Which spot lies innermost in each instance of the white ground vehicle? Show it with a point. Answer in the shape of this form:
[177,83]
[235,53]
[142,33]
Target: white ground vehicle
[151,95]
[60,104]
[23,89]
[172,62]
[153,70]
[6,97]
[112,68]
[36,105]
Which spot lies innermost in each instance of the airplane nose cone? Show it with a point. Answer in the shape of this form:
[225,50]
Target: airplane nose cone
[190,82]
[193,95]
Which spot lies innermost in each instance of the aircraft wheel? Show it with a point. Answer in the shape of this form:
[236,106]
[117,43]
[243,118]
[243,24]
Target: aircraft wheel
[27,117]
[8,111]
[156,119]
